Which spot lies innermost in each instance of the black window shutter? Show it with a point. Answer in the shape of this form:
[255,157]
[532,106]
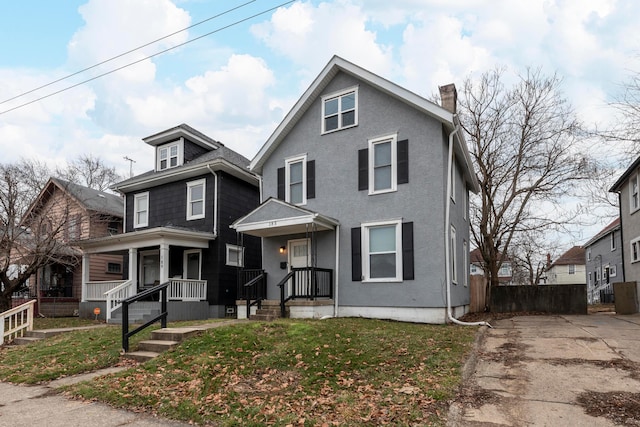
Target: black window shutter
[407,251]
[356,255]
[281,183]
[311,179]
[363,169]
[403,161]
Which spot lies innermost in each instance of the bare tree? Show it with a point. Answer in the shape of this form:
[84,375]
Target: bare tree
[91,172]
[523,140]
[32,234]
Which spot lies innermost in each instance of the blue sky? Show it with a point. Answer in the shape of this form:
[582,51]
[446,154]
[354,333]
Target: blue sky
[237,84]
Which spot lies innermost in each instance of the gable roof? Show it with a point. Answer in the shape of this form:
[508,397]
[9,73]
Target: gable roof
[475,256]
[617,186]
[614,225]
[574,256]
[219,157]
[333,67]
[88,198]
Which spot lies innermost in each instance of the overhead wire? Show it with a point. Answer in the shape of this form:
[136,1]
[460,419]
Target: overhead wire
[126,53]
[134,62]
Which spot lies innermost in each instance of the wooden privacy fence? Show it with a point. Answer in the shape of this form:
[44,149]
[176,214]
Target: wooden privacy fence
[478,293]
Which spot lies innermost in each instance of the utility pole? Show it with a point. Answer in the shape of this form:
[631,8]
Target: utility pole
[131,162]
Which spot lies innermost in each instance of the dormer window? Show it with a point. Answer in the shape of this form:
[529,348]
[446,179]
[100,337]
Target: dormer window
[169,156]
[340,110]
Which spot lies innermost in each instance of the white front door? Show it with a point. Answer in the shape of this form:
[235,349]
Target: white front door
[299,257]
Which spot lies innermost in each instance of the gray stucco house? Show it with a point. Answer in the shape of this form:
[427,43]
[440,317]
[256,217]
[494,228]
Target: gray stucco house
[355,215]
[603,260]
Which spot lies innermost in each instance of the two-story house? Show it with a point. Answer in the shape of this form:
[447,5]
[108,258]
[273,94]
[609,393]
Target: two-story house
[364,202]
[568,269]
[603,260]
[477,267]
[72,212]
[628,189]
[176,228]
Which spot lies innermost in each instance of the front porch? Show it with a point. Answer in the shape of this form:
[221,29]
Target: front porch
[161,255]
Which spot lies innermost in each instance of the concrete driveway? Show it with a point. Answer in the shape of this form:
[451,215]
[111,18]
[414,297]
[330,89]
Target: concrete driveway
[553,370]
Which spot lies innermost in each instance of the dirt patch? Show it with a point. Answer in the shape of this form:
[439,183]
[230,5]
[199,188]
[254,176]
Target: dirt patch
[623,408]
[470,395]
[622,364]
[489,316]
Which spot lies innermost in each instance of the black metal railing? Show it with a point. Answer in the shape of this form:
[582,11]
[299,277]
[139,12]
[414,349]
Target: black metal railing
[144,295]
[254,291]
[306,282]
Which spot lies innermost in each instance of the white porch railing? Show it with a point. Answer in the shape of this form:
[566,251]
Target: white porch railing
[187,290]
[96,291]
[14,322]
[115,296]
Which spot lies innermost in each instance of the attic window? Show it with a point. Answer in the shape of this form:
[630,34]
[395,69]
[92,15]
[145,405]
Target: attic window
[340,110]
[169,156]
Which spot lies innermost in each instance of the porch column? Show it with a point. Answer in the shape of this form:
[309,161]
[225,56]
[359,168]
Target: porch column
[164,262]
[85,276]
[133,266]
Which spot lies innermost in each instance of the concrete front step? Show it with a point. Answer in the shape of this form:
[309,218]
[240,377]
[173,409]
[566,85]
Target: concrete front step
[141,356]
[161,340]
[25,340]
[157,346]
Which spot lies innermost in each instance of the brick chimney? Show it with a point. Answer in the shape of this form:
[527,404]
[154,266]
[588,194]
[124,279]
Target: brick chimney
[449,97]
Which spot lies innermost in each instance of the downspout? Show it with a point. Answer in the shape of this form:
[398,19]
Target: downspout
[215,201]
[337,273]
[447,233]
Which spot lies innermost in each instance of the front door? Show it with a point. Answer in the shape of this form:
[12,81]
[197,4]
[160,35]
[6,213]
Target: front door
[299,257]
[150,268]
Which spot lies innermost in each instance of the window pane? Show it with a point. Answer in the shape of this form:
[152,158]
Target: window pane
[174,161]
[196,192]
[348,101]
[196,208]
[300,251]
[382,239]
[142,204]
[174,150]
[382,178]
[295,193]
[330,106]
[331,123]
[295,172]
[383,265]
[348,118]
[163,164]
[142,217]
[163,153]
[382,154]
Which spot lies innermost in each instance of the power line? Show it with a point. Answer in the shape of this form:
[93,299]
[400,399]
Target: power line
[136,62]
[126,53]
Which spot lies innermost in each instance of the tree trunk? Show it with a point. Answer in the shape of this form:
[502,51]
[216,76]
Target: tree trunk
[5,302]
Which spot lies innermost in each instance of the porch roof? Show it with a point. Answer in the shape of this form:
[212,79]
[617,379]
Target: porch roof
[146,238]
[276,218]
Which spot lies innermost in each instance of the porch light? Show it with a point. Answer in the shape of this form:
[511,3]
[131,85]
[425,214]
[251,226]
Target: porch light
[282,249]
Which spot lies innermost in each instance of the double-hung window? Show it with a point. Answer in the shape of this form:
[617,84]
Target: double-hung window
[235,255]
[195,199]
[382,251]
[141,210]
[169,156]
[453,251]
[296,182]
[634,198]
[635,250]
[612,240]
[383,164]
[340,110]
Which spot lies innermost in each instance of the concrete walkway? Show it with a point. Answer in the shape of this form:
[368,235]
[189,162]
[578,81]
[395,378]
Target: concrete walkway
[28,406]
[536,371]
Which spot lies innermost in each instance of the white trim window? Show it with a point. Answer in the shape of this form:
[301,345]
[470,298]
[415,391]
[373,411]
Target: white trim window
[612,239]
[454,253]
[382,251]
[169,156]
[340,110]
[296,180]
[235,256]
[465,262]
[196,199]
[635,249]
[612,271]
[634,197]
[141,210]
[383,164]
[572,268]
[589,254]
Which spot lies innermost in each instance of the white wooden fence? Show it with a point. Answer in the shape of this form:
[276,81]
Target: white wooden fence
[14,322]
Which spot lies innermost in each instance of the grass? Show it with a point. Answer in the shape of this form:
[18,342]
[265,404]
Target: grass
[62,322]
[311,373]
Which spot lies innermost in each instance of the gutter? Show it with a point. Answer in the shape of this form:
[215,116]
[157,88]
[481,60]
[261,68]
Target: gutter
[447,233]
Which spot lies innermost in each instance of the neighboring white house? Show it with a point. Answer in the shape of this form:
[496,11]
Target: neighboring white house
[569,269]
[476,268]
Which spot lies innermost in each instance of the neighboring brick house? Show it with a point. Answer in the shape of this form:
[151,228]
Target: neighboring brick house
[603,259]
[176,228]
[568,269]
[476,268]
[77,212]
[364,202]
